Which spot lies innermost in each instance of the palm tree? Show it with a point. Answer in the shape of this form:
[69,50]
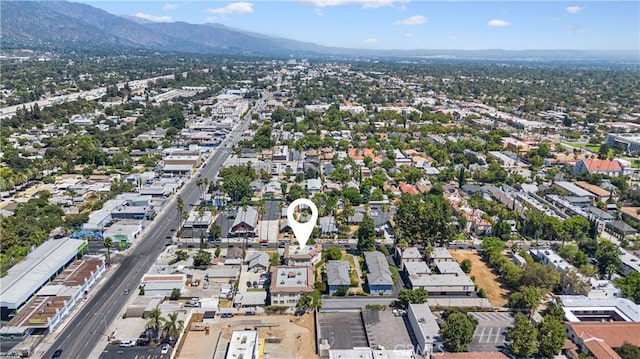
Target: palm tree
[172,326]
[200,215]
[179,207]
[155,321]
[108,242]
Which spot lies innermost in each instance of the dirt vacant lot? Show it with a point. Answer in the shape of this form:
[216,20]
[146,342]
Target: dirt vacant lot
[497,293]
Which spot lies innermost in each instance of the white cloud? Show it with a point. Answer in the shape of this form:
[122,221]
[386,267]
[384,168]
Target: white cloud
[169,6]
[408,34]
[574,9]
[233,8]
[576,29]
[412,21]
[371,41]
[152,18]
[367,4]
[319,12]
[498,23]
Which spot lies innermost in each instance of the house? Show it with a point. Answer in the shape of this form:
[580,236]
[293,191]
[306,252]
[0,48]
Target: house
[288,284]
[379,277]
[337,275]
[605,167]
[235,256]
[245,223]
[258,262]
[327,225]
[295,255]
[314,185]
[599,339]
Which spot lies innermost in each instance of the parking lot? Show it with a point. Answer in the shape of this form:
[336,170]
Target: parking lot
[343,330]
[491,331]
[113,351]
[378,325]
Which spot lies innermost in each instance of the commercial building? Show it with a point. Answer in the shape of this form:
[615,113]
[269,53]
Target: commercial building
[24,279]
[379,278]
[162,285]
[243,344]
[424,326]
[579,308]
[449,280]
[598,340]
[368,353]
[288,284]
[628,142]
[599,288]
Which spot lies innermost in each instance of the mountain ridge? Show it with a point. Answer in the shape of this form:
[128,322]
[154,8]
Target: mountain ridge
[63,22]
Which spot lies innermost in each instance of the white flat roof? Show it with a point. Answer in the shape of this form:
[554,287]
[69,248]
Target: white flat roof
[42,263]
[243,344]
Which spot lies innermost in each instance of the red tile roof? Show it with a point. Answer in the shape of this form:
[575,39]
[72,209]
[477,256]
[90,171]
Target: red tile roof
[595,165]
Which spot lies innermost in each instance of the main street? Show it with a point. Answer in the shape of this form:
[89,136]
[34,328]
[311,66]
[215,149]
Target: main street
[85,331]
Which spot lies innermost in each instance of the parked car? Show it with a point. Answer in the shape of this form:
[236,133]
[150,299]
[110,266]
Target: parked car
[205,286]
[226,315]
[57,354]
[299,312]
[255,284]
[127,343]
[248,284]
[164,349]
[251,312]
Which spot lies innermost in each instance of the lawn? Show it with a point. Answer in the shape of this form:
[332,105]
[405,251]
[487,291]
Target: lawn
[497,292]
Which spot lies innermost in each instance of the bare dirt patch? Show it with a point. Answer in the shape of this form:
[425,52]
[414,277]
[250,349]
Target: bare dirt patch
[497,292]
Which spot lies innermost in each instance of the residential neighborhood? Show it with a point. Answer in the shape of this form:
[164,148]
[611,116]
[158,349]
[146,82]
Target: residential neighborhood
[450,221]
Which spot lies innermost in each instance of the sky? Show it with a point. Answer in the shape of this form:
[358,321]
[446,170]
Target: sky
[407,24]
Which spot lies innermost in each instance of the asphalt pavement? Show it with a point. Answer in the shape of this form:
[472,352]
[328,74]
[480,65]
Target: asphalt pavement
[86,330]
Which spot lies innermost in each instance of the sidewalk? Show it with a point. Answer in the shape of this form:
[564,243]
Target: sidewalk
[48,341]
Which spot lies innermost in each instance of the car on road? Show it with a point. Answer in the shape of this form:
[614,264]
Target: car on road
[226,315]
[164,349]
[126,291]
[57,354]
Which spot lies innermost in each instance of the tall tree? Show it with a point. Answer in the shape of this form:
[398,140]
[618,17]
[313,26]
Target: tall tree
[551,336]
[108,242]
[172,326]
[155,321]
[524,337]
[366,235]
[457,332]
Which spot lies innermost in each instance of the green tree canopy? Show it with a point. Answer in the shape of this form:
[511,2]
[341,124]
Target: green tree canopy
[457,331]
[366,235]
[523,337]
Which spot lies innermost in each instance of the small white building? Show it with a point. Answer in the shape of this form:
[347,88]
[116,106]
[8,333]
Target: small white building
[162,284]
[425,327]
[243,344]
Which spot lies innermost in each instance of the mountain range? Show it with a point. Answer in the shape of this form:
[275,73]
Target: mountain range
[47,23]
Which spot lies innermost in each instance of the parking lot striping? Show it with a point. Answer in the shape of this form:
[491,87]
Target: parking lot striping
[498,336]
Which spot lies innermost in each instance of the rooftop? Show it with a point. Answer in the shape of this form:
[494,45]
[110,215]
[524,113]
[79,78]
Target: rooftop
[625,308]
[427,325]
[291,279]
[243,344]
[338,273]
[24,278]
[378,268]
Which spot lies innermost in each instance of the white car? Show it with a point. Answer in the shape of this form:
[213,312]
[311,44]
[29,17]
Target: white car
[127,343]
[165,349]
